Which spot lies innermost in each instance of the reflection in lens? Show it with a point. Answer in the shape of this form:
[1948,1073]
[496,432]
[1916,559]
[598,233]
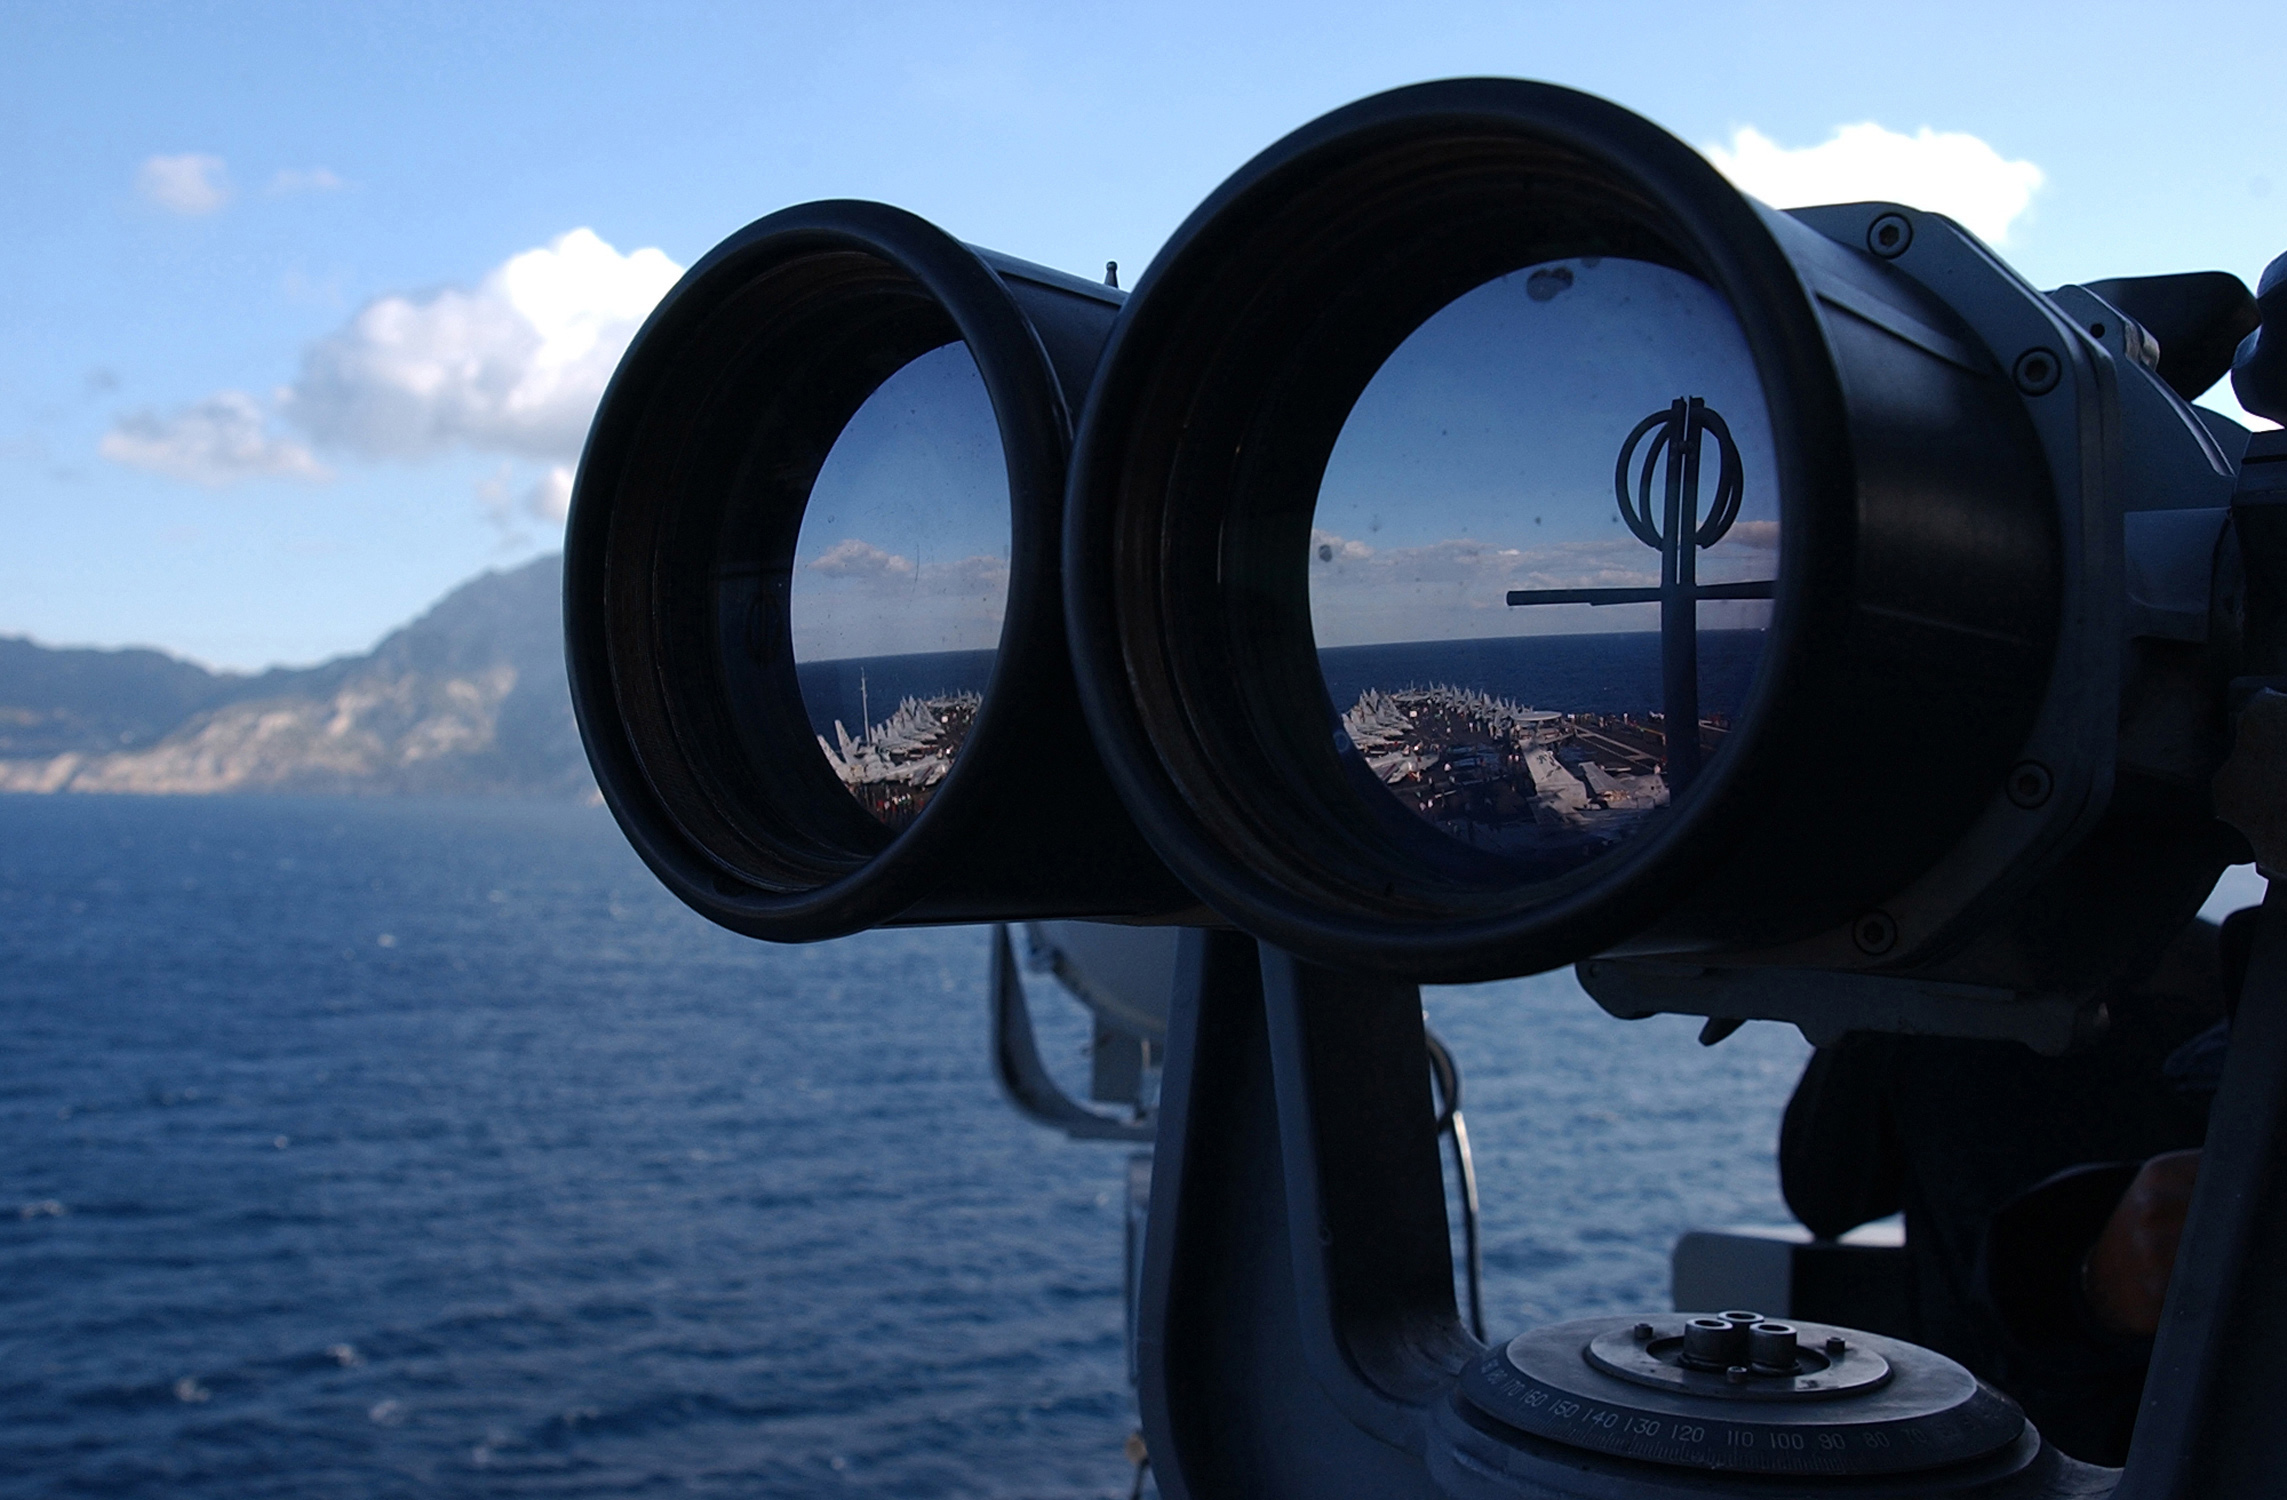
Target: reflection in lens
[900,582]
[1545,537]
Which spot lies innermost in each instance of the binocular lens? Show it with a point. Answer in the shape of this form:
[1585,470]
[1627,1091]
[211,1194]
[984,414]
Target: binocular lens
[899,583]
[812,605]
[1542,557]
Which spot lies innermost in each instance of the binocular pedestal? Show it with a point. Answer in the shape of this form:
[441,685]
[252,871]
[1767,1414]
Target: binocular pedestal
[1298,1333]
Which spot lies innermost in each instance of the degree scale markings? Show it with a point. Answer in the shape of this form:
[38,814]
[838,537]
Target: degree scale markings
[1693,1443]
[1546,1384]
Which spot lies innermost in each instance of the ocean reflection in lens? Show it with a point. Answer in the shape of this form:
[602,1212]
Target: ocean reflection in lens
[1547,533]
[900,583]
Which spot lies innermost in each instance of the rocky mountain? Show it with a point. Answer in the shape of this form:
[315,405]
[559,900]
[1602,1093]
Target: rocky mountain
[469,698]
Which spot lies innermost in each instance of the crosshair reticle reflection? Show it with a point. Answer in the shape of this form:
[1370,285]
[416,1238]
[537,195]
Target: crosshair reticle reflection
[900,581]
[1542,554]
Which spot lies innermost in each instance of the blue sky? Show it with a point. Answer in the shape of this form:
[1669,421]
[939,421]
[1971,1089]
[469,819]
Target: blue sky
[228,224]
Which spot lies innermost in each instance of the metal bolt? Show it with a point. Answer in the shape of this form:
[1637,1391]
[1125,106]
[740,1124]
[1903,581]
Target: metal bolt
[1837,1347]
[1737,1374]
[1771,1346]
[2037,371]
[1874,933]
[1643,1333]
[1714,1343]
[1889,235]
[2030,784]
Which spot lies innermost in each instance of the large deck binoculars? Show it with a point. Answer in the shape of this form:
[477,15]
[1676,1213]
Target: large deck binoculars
[1484,539]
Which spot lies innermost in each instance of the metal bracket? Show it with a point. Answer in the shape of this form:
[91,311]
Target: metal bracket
[1826,1004]
[1022,1075]
[2077,421]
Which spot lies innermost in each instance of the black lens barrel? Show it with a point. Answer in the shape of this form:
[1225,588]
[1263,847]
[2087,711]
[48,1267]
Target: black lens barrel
[1916,608]
[1158,739]
[679,563]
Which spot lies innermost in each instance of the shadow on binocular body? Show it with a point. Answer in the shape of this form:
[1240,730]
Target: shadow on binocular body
[1499,639]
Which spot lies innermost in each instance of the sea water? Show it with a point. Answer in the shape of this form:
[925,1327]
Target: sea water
[380,1148]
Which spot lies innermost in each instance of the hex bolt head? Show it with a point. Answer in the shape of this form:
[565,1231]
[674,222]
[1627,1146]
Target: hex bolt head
[2037,371]
[1714,1343]
[2030,784]
[1772,1346]
[1890,235]
[1875,933]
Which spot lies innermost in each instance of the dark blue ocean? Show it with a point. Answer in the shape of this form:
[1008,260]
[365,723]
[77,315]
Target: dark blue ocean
[1615,673]
[381,1148]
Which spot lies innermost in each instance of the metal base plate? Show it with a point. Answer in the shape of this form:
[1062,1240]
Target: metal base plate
[1927,1413]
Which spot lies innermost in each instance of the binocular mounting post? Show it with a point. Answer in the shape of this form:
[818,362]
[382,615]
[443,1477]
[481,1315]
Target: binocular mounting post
[1298,1334]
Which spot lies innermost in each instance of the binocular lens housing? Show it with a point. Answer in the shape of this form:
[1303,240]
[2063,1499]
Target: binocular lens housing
[1493,540]
[812,605]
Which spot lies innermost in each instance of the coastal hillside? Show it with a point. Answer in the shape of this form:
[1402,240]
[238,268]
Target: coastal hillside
[468,699]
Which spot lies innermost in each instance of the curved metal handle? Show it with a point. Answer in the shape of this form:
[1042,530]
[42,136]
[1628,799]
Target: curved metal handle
[1023,1077]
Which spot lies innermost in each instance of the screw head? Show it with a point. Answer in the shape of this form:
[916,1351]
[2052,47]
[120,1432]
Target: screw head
[1837,1346]
[1875,932]
[1642,1332]
[1890,235]
[2037,371]
[1737,1374]
[2030,783]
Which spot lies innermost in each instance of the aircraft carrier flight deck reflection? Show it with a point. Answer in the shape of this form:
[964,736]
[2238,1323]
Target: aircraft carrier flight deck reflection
[892,726]
[1551,773]
[892,767]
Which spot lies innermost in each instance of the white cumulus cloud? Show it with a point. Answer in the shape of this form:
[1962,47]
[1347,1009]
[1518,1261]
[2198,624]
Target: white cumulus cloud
[852,558]
[305,180]
[189,184]
[857,598]
[547,499]
[514,364]
[550,497]
[1947,172]
[212,442]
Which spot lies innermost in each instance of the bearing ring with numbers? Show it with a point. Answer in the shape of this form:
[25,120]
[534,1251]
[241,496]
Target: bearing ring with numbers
[1740,1393]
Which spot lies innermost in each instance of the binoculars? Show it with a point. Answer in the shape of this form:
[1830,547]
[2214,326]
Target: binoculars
[1483,540]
